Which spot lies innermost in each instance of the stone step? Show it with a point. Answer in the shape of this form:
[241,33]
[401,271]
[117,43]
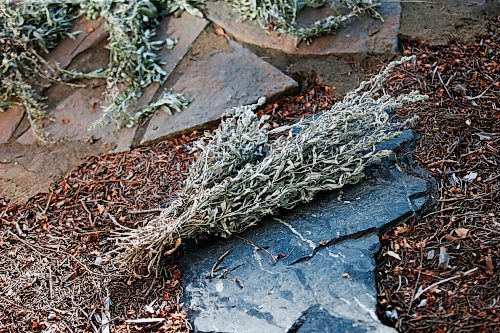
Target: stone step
[216,83]
[362,35]
[74,109]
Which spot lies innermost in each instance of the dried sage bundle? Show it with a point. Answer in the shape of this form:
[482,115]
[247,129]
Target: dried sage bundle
[241,175]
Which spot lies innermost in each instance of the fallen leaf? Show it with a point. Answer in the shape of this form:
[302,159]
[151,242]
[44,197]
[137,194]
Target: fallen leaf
[452,239]
[101,209]
[462,232]
[489,265]
[393,254]
[470,177]
[346,275]
[401,230]
[444,258]
[219,31]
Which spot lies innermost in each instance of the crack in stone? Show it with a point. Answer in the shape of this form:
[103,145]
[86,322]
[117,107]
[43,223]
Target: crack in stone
[299,321]
[400,219]
[334,241]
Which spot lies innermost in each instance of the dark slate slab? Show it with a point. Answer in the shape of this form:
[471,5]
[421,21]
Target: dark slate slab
[216,83]
[361,35]
[305,291]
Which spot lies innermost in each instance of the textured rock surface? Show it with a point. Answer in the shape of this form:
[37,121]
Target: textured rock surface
[74,109]
[215,84]
[72,116]
[363,35]
[9,120]
[447,20]
[92,32]
[307,290]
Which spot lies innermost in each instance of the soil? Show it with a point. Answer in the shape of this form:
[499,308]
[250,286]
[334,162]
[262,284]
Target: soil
[446,275]
[447,20]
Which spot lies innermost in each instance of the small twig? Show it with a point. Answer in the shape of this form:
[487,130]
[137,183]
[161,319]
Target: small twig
[444,85]
[51,290]
[214,266]
[48,203]
[88,212]
[178,243]
[115,222]
[482,94]
[418,276]
[418,294]
[257,246]
[145,320]
[145,211]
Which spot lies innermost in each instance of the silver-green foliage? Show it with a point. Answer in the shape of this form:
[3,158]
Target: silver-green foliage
[29,29]
[242,175]
[281,15]
[134,62]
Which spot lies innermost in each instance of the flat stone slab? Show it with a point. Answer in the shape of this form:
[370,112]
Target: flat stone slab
[92,32]
[215,84]
[72,116]
[361,35]
[9,120]
[74,109]
[324,279]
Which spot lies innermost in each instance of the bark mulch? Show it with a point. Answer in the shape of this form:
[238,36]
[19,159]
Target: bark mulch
[56,272]
[440,273]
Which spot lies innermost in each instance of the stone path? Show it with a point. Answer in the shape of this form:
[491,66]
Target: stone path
[324,281]
[72,109]
[219,81]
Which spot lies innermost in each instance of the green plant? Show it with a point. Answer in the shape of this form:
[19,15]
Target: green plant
[27,30]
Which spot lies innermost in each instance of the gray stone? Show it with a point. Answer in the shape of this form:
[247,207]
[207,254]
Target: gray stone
[215,84]
[306,290]
[361,35]
[92,32]
[9,120]
[73,110]
[184,29]
[72,116]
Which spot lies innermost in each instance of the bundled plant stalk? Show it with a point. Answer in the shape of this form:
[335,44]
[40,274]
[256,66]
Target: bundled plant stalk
[242,175]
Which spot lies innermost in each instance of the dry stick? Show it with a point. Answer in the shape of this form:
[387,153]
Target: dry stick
[444,85]
[417,295]
[217,263]
[418,276]
[145,211]
[51,290]
[145,321]
[257,246]
[88,212]
[482,94]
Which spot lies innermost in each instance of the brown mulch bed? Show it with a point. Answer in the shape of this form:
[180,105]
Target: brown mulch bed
[56,273]
[444,276]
